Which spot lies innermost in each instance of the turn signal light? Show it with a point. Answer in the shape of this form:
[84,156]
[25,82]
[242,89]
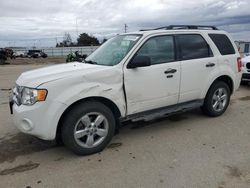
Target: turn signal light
[41,94]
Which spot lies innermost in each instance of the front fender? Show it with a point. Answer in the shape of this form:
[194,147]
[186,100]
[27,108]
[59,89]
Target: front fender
[69,91]
[112,93]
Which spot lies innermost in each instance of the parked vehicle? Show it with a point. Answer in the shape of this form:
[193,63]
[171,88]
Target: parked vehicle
[36,54]
[9,53]
[246,70]
[3,56]
[5,53]
[19,54]
[131,77]
[75,56]
[43,55]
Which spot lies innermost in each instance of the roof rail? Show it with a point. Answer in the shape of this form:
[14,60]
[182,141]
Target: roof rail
[184,27]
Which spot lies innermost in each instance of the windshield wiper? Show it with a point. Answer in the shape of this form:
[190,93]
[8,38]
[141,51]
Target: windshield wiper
[90,62]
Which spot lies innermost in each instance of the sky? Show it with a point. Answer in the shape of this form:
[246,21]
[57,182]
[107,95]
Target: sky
[44,22]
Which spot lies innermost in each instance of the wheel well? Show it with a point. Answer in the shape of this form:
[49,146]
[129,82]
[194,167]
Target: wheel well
[111,105]
[227,80]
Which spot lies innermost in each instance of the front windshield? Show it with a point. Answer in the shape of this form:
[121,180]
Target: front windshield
[113,51]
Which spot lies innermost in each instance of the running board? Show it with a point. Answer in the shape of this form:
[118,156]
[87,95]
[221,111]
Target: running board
[163,112]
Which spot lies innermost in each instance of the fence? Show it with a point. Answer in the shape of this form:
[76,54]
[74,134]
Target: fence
[64,51]
[61,51]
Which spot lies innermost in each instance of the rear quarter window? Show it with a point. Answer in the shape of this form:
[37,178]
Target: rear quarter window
[223,44]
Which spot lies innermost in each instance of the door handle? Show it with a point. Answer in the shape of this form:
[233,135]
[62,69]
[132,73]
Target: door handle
[210,65]
[170,71]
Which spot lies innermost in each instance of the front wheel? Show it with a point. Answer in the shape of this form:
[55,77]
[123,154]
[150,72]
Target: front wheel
[88,128]
[217,99]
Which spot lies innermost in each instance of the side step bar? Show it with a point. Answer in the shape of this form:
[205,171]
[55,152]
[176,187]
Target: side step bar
[163,112]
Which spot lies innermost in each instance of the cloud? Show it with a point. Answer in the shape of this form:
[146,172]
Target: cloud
[28,21]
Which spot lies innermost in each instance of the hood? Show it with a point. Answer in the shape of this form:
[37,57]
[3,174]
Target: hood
[36,77]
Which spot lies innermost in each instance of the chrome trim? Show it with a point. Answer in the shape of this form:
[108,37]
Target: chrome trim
[17,94]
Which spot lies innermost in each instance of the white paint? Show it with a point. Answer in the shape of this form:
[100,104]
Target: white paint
[245,70]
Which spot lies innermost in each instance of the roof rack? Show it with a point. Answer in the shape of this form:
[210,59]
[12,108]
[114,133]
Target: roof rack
[184,27]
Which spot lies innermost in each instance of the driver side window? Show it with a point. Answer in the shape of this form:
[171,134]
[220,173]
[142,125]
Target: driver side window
[159,49]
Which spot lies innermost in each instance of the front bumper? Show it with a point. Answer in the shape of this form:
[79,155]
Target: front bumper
[40,119]
[245,77]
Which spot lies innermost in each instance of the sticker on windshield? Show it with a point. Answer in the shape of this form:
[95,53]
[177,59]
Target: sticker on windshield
[131,37]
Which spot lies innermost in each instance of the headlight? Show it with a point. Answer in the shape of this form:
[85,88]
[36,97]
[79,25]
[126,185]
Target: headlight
[30,96]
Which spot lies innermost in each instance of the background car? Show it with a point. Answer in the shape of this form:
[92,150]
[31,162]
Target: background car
[36,54]
[246,70]
[19,54]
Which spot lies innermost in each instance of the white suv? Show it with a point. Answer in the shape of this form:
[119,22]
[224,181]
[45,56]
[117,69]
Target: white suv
[134,76]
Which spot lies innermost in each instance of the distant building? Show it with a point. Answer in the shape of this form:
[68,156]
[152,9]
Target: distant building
[243,47]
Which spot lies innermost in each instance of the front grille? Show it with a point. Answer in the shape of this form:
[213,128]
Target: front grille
[248,65]
[246,76]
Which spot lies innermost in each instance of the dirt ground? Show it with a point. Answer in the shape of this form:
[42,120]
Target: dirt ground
[36,61]
[184,151]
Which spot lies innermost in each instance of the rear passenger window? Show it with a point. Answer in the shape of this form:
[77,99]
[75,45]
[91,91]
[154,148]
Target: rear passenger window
[160,49]
[193,46]
[223,43]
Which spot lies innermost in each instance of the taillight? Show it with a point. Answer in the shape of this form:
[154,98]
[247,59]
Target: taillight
[239,64]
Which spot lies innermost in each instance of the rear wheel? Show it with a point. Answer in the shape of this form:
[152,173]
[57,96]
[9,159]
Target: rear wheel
[88,128]
[217,99]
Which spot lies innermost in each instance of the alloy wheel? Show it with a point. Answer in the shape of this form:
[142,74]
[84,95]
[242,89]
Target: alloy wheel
[91,129]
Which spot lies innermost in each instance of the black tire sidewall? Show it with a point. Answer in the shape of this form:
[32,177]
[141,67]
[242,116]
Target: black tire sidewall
[74,115]
[208,106]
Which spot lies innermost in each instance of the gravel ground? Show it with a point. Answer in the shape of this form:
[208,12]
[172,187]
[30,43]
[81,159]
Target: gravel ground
[32,61]
[183,151]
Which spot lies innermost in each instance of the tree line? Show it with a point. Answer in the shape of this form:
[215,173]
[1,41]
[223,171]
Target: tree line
[84,39]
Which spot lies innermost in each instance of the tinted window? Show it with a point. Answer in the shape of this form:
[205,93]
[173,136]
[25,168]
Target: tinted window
[193,47]
[223,44]
[160,49]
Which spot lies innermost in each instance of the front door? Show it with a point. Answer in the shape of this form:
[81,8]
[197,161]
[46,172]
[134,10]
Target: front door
[157,85]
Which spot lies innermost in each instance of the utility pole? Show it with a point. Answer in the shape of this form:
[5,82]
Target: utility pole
[76,29]
[125,28]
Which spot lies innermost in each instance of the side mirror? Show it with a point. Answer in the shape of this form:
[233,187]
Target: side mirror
[139,61]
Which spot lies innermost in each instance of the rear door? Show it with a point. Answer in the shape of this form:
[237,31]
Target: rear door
[197,63]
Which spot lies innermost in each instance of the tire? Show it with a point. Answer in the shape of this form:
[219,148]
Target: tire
[210,107]
[79,132]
